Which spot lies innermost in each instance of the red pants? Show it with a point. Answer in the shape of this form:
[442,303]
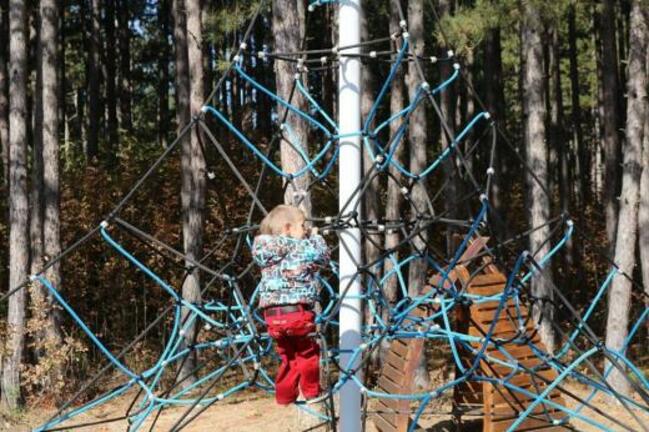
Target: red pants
[300,354]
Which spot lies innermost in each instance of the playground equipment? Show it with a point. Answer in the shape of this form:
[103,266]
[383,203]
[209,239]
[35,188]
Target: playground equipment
[479,303]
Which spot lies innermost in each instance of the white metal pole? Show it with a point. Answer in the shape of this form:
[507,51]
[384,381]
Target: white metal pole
[349,111]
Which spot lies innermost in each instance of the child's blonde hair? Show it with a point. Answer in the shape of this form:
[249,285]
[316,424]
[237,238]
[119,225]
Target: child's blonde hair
[279,217]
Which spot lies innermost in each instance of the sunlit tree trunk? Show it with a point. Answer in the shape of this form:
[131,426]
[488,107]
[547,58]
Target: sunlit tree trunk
[536,155]
[643,213]
[370,195]
[627,229]
[18,205]
[417,134]
[4,96]
[394,200]
[49,136]
[288,30]
[193,173]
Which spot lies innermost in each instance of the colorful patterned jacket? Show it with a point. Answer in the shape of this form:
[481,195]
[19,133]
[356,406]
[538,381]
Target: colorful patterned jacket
[289,268]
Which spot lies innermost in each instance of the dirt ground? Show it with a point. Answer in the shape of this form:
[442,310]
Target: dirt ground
[255,411]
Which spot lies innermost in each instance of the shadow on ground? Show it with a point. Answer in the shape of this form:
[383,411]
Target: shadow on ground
[451,426]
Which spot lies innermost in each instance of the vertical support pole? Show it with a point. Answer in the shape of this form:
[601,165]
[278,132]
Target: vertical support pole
[349,111]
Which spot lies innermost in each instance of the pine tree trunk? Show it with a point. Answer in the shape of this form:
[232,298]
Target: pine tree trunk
[4,96]
[448,102]
[370,195]
[49,33]
[627,228]
[288,30]
[163,70]
[394,200]
[643,212]
[124,42]
[582,154]
[111,97]
[182,66]
[18,205]
[36,192]
[183,118]
[193,183]
[558,139]
[610,118]
[536,154]
[495,101]
[417,133]
[94,96]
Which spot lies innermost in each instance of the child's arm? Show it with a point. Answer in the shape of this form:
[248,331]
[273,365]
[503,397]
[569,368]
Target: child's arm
[318,251]
[268,250]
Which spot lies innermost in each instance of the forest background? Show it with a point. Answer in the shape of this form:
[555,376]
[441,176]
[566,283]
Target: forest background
[91,91]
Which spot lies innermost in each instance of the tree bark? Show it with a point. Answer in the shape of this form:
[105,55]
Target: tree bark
[536,155]
[94,97]
[193,183]
[111,97]
[124,42]
[448,102]
[394,200]
[163,70]
[18,205]
[183,116]
[610,117]
[51,121]
[643,212]
[4,96]
[417,134]
[370,196]
[495,101]
[582,153]
[557,134]
[36,193]
[627,228]
[288,30]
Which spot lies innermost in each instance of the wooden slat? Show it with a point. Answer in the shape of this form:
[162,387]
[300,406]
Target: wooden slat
[400,347]
[527,424]
[390,413]
[395,360]
[510,315]
[436,280]
[394,374]
[491,306]
[523,379]
[502,326]
[516,351]
[506,400]
[488,279]
[474,248]
[389,387]
[383,425]
[502,370]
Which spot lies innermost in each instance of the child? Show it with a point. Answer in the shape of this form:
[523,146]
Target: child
[290,261]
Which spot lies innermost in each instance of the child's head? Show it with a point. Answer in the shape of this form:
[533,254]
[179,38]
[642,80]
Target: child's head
[284,220]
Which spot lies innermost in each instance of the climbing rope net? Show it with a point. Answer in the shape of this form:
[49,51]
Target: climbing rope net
[229,337]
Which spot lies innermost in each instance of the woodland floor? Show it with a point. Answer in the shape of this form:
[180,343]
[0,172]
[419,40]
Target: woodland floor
[256,411]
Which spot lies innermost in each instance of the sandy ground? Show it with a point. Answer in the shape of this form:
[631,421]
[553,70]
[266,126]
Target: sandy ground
[255,411]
